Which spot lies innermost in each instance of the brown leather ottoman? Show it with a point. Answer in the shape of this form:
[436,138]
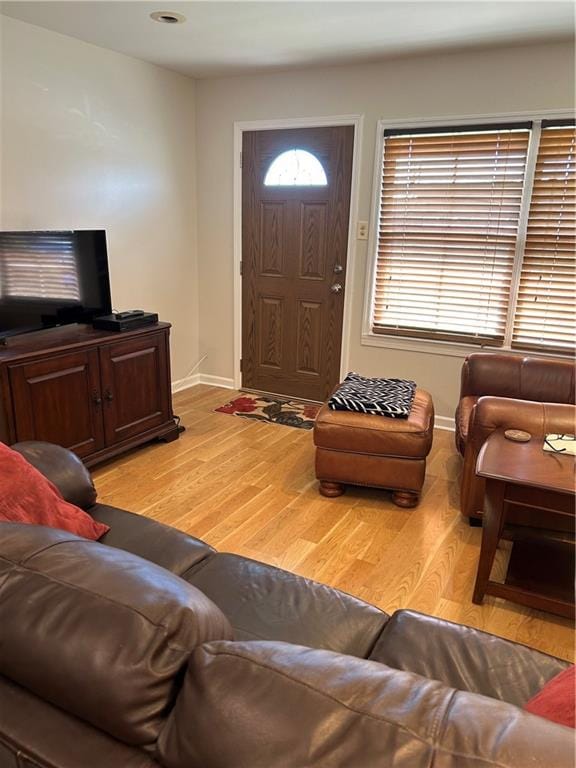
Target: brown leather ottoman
[361,449]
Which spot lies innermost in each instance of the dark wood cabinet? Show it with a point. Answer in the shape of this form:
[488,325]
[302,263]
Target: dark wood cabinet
[57,399]
[95,392]
[130,410]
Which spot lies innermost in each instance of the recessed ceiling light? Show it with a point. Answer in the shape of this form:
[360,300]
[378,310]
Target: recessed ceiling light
[168,17]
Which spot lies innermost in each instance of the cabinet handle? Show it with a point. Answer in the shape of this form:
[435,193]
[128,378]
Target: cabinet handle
[108,396]
[96,399]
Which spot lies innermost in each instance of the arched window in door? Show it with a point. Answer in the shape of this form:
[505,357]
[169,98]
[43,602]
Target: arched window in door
[296,168]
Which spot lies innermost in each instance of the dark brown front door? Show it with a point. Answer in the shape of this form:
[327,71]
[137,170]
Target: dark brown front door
[294,246]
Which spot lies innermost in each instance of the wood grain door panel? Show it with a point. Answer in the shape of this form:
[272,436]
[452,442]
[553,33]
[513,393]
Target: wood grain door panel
[134,387]
[310,315]
[272,240]
[271,319]
[59,400]
[313,237]
[294,248]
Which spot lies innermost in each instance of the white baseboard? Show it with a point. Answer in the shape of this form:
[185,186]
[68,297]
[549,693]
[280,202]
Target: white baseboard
[202,378]
[216,381]
[444,422]
[189,381]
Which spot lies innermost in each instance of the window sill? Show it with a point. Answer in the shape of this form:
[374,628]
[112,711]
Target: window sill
[446,348]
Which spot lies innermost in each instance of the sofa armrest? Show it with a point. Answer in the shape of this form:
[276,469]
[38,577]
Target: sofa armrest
[492,413]
[63,468]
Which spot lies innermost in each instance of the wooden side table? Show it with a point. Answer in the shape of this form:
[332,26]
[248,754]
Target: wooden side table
[541,569]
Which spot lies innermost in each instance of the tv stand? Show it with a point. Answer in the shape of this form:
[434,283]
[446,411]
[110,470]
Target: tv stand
[97,393]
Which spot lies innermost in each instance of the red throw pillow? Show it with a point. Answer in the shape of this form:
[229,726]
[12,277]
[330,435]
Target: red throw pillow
[556,700]
[26,496]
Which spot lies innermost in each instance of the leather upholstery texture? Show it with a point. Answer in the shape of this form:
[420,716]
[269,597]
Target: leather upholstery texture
[44,735]
[492,413]
[462,420]
[398,474]
[542,379]
[63,468]
[267,603]
[496,392]
[376,451]
[275,705]
[379,435]
[161,544]
[464,658]
[101,633]
[108,661]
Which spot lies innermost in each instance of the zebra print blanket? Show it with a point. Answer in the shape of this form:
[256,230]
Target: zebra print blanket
[383,397]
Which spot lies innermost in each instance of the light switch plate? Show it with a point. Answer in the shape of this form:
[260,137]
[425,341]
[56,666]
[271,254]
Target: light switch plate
[362,230]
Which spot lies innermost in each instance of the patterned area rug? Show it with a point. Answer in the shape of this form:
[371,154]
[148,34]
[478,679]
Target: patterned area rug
[275,411]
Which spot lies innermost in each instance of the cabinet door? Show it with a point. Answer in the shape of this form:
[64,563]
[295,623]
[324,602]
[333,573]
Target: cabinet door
[58,400]
[135,386]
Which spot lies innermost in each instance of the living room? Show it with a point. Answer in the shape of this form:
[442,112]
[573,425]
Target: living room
[154,131]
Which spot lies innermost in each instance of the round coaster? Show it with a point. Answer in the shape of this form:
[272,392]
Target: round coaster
[517,435]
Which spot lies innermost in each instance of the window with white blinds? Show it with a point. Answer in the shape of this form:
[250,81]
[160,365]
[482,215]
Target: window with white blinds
[452,217]
[34,265]
[545,315]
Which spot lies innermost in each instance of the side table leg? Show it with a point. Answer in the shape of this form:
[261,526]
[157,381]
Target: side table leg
[492,523]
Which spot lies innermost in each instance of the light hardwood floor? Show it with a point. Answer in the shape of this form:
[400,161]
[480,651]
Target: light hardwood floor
[249,488]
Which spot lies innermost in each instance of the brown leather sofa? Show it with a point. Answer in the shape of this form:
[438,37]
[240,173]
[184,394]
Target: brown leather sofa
[501,391]
[151,649]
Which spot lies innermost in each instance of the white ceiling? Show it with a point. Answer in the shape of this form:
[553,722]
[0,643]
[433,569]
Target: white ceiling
[222,38]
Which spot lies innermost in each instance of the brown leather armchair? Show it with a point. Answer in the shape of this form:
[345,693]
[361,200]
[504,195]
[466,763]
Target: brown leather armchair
[501,391]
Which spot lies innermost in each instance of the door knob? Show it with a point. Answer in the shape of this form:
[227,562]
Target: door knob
[336,288]
[108,395]
[338,268]
[96,399]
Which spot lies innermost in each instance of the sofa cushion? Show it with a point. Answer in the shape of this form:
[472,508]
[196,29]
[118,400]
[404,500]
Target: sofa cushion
[464,658]
[275,705]
[267,603]
[63,468]
[159,543]
[99,632]
[27,496]
[57,738]
[367,433]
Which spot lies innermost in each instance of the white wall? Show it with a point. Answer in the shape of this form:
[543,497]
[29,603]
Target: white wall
[94,139]
[494,81]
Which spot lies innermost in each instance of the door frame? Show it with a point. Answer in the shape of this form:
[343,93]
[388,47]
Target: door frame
[357,121]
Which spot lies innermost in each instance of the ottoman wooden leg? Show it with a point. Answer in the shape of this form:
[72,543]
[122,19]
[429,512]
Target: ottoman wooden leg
[331,489]
[405,498]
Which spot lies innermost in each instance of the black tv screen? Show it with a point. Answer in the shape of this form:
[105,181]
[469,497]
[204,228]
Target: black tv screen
[52,278]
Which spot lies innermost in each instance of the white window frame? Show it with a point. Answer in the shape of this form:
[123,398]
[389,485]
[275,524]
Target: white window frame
[434,346]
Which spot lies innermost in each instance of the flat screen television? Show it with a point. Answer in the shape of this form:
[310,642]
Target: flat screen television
[52,278]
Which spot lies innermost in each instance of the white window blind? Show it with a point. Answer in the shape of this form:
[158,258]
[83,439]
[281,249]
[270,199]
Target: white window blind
[545,315]
[39,266]
[449,212]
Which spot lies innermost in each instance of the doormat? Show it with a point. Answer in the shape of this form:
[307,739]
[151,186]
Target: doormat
[275,411]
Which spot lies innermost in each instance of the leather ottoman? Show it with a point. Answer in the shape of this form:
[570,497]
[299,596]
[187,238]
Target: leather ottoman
[377,451]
